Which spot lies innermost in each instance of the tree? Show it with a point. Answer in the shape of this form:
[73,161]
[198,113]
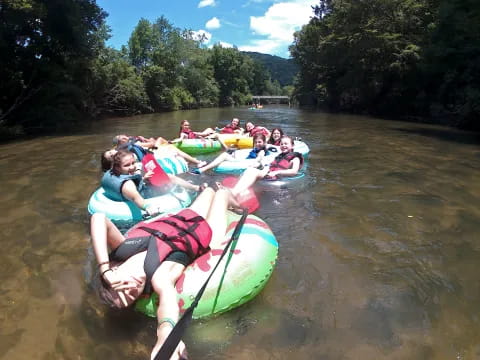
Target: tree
[45,59]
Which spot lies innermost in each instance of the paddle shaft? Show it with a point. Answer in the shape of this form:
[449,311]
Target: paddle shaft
[178,330]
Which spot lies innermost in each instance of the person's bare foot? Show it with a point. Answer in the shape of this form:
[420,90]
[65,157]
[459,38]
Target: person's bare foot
[234,204]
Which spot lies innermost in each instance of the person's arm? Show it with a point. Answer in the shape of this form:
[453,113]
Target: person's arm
[147,144]
[130,191]
[104,235]
[179,139]
[268,134]
[287,172]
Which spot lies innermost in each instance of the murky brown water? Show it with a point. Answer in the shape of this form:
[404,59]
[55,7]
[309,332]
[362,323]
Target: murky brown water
[379,256]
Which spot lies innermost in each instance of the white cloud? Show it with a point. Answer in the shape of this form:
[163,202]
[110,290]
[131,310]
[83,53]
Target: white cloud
[205,3]
[282,19]
[223,44]
[213,23]
[199,34]
[277,26]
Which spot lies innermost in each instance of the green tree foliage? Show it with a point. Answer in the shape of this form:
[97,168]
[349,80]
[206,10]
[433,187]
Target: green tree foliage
[391,57]
[173,66]
[46,49]
[452,64]
[115,86]
[56,69]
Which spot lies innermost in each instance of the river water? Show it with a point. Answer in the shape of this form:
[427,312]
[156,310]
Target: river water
[379,246]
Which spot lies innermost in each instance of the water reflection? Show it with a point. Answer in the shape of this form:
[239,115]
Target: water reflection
[378,247]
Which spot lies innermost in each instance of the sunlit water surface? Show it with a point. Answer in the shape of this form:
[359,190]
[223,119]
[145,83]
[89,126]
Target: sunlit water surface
[379,247]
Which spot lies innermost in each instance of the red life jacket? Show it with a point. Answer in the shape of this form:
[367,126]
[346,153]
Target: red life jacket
[284,161]
[275,142]
[258,130]
[190,134]
[229,129]
[186,231]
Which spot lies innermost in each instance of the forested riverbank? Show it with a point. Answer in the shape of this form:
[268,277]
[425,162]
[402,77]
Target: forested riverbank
[414,60]
[56,69]
[393,58]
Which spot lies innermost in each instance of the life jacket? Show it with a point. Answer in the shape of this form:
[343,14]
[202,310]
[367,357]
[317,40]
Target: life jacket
[284,161]
[186,231]
[274,142]
[258,130]
[190,134]
[229,129]
[112,184]
[138,150]
[254,153]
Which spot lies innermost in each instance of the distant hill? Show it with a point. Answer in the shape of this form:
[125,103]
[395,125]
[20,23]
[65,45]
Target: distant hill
[281,69]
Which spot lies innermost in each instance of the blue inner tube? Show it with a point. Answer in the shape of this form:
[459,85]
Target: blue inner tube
[172,164]
[126,211]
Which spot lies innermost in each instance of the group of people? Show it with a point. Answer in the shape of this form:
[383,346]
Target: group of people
[154,259]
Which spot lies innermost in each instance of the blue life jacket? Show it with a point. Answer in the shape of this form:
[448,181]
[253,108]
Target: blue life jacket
[139,151]
[113,184]
[254,153]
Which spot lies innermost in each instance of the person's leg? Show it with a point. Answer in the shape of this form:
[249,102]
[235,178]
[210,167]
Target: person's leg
[248,178]
[163,283]
[206,132]
[183,183]
[187,157]
[202,203]
[159,142]
[219,139]
[217,217]
[215,162]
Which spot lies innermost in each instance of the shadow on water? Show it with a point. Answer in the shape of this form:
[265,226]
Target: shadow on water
[448,134]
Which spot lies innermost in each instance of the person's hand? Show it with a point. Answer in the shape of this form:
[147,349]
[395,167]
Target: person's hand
[121,287]
[111,277]
[148,175]
[152,211]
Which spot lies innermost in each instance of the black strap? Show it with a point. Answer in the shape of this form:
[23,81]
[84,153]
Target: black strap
[175,336]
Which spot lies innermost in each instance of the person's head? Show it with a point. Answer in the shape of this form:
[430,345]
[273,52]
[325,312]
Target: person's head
[249,126]
[235,122]
[120,139]
[110,297]
[276,134]
[106,159]
[286,144]
[123,163]
[259,141]
[184,125]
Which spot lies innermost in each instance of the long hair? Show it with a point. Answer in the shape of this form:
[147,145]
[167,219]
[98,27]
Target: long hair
[181,125]
[271,141]
[117,160]
[103,291]
[105,163]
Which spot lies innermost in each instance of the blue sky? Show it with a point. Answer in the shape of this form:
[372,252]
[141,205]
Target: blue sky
[264,26]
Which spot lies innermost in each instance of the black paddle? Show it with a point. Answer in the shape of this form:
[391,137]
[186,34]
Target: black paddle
[175,336]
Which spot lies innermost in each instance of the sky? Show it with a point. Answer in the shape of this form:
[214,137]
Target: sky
[264,26]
